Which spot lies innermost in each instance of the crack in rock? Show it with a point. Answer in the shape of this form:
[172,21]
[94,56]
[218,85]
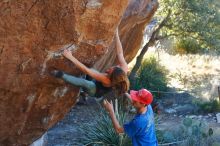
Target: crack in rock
[56,54]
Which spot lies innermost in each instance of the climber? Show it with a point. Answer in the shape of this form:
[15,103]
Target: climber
[115,78]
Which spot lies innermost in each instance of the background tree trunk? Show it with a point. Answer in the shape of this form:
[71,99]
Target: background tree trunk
[154,37]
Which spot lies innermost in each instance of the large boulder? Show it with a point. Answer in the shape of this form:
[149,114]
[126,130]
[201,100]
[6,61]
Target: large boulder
[32,36]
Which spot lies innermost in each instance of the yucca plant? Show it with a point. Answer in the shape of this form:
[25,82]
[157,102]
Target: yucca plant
[101,132]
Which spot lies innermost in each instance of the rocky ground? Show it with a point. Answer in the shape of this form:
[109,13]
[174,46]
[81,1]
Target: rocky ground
[67,133]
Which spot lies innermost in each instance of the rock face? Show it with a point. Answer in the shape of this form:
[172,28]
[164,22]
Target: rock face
[32,36]
[137,15]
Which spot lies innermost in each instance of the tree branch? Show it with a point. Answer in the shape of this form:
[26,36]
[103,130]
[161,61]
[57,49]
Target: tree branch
[151,42]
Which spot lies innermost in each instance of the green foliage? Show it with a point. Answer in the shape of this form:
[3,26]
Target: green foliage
[209,106]
[102,133]
[194,19]
[186,46]
[168,136]
[196,133]
[151,75]
[216,144]
[187,122]
[190,133]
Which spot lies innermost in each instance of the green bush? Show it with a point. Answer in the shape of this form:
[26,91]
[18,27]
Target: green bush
[190,133]
[196,133]
[186,46]
[151,76]
[209,106]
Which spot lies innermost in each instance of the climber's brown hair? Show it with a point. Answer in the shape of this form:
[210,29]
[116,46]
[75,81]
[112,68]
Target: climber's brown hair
[119,80]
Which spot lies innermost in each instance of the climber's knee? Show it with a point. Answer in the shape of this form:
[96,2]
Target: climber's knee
[91,88]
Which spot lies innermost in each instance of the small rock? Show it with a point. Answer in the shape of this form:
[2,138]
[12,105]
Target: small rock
[170,111]
[183,109]
[218,117]
[192,116]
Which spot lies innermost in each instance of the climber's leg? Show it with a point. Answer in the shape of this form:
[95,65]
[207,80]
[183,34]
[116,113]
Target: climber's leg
[88,86]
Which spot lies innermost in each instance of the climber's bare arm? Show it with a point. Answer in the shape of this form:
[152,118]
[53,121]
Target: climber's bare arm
[122,63]
[102,77]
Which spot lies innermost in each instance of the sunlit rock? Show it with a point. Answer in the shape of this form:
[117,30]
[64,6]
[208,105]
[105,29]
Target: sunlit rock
[32,37]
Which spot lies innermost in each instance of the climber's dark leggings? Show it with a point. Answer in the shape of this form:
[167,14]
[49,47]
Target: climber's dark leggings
[88,86]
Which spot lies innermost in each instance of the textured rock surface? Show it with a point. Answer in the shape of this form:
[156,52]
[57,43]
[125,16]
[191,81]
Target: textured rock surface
[32,33]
